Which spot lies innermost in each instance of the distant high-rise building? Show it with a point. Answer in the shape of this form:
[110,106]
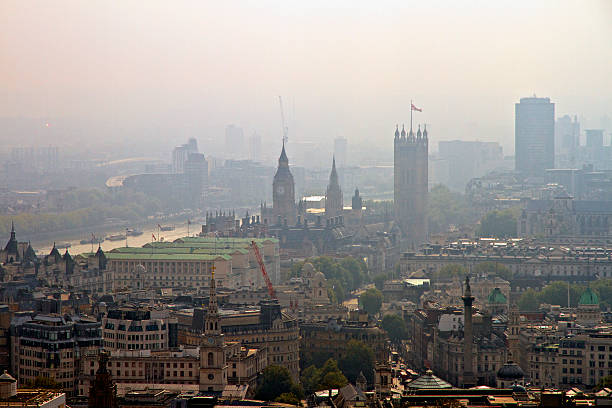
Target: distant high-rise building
[333,196]
[594,138]
[468,159]
[196,178]
[340,148]
[534,135]
[234,142]
[181,153]
[567,137]
[410,191]
[255,147]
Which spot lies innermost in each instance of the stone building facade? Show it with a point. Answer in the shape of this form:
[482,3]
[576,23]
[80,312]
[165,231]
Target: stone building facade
[410,177]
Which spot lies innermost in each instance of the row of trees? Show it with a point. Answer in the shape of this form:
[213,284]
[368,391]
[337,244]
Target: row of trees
[84,209]
[499,223]
[556,293]
[343,275]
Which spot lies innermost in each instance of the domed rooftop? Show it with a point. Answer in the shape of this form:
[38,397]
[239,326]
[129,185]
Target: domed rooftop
[510,372]
[319,276]
[6,377]
[496,297]
[308,270]
[588,298]
[428,381]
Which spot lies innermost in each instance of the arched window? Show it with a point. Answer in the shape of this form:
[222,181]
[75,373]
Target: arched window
[211,359]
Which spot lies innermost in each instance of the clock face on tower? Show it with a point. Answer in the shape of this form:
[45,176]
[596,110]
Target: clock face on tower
[280,189]
[211,340]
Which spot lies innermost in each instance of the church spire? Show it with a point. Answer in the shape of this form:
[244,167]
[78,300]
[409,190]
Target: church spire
[333,176]
[212,325]
[283,160]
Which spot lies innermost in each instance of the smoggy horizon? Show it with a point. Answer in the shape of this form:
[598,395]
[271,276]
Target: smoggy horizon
[155,73]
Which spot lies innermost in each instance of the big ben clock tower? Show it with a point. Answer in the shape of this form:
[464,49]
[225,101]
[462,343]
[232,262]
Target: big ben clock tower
[213,367]
[283,194]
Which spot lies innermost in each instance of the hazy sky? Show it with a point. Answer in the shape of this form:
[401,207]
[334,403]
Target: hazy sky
[161,71]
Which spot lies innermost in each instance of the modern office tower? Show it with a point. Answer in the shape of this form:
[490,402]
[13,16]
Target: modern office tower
[340,148]
[534,135]
[594,138]
[234,142]
[196,177]
[181,153]
[567,134]
[255,147]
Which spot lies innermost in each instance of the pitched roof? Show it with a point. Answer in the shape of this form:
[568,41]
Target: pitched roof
[429,381]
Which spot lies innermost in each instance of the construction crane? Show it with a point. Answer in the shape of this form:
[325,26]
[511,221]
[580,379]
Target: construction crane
[285,128]
[263,270]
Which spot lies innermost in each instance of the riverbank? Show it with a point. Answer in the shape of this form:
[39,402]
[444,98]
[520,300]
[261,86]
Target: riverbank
[43,245]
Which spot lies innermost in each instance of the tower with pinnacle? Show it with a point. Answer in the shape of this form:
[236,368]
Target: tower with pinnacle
[410,188]
[283,192]
[213,365]
[333,195]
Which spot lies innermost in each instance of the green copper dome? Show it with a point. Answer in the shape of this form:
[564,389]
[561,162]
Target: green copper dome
[588,298]
[496,297]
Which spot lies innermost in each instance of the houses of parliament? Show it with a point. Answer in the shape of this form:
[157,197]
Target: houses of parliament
[410,195]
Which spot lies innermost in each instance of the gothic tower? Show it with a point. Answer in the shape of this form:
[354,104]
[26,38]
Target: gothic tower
[333,195]
[103,391]
[410,190]
[468,343]
[514,332]
[283,194]
[213,367]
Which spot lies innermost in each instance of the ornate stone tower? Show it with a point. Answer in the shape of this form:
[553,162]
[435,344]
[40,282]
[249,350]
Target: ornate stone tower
[410,190]
[103,391]
[213,367]
[468,342]
[283,194]
[333,195]
[514,332]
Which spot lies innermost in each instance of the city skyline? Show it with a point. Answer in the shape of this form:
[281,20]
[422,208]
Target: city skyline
[123,78]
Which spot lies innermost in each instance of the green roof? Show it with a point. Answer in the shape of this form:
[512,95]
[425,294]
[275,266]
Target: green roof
[178,250]
[496,297]
[163,257]
[588,298]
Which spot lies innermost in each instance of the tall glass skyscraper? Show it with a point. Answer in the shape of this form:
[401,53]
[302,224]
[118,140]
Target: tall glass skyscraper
[534,135]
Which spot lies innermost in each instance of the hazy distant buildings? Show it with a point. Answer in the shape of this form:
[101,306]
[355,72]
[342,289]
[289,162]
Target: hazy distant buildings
[180,154]
[594,138]
[462,161]
[255,148]
[42,158]
[340,148]
[196,177]
[534,135]
[235,147]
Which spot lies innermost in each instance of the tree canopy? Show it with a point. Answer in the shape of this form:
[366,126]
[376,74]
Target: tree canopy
[447,207]
[371,301]
[499,224]
[276,381]
[358,358]
[395,327]
[555,293]
[343,275]
[329,376]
